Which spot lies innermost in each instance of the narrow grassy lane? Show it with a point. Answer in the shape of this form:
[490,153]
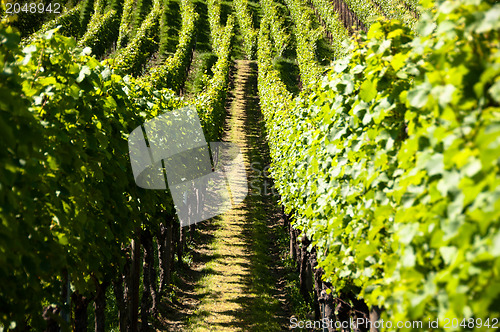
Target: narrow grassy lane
[239,286]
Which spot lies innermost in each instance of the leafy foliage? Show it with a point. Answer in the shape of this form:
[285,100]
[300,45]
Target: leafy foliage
[391,164]
[68,23]
[172,73]
[202,69]
[281,39]
[85,14]
[333,24]
[211,102]
[20,171]
[101,32]
[28,22]
[216,29]
[116,5]
[365,10]
[126,24]
[130,60]
[141,10]
[394,9]
[72,100]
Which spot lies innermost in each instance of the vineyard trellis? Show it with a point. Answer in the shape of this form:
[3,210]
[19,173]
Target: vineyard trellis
[360,175]
[130,95]
[347,16]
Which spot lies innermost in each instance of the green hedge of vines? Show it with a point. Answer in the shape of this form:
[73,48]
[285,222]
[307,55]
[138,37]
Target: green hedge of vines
[211,102]
[365,10]
[68,21]
[69,202]
[126,23]
[331,18]
[391,165]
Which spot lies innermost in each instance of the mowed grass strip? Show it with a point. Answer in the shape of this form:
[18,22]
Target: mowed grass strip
[238,288]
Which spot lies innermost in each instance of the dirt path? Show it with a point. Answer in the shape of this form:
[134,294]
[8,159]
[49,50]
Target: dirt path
[239,285]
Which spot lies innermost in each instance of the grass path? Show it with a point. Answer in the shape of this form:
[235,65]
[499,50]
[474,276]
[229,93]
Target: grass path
[239,283]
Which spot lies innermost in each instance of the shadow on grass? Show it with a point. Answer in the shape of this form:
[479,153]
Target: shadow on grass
[259,277]
[262,303]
